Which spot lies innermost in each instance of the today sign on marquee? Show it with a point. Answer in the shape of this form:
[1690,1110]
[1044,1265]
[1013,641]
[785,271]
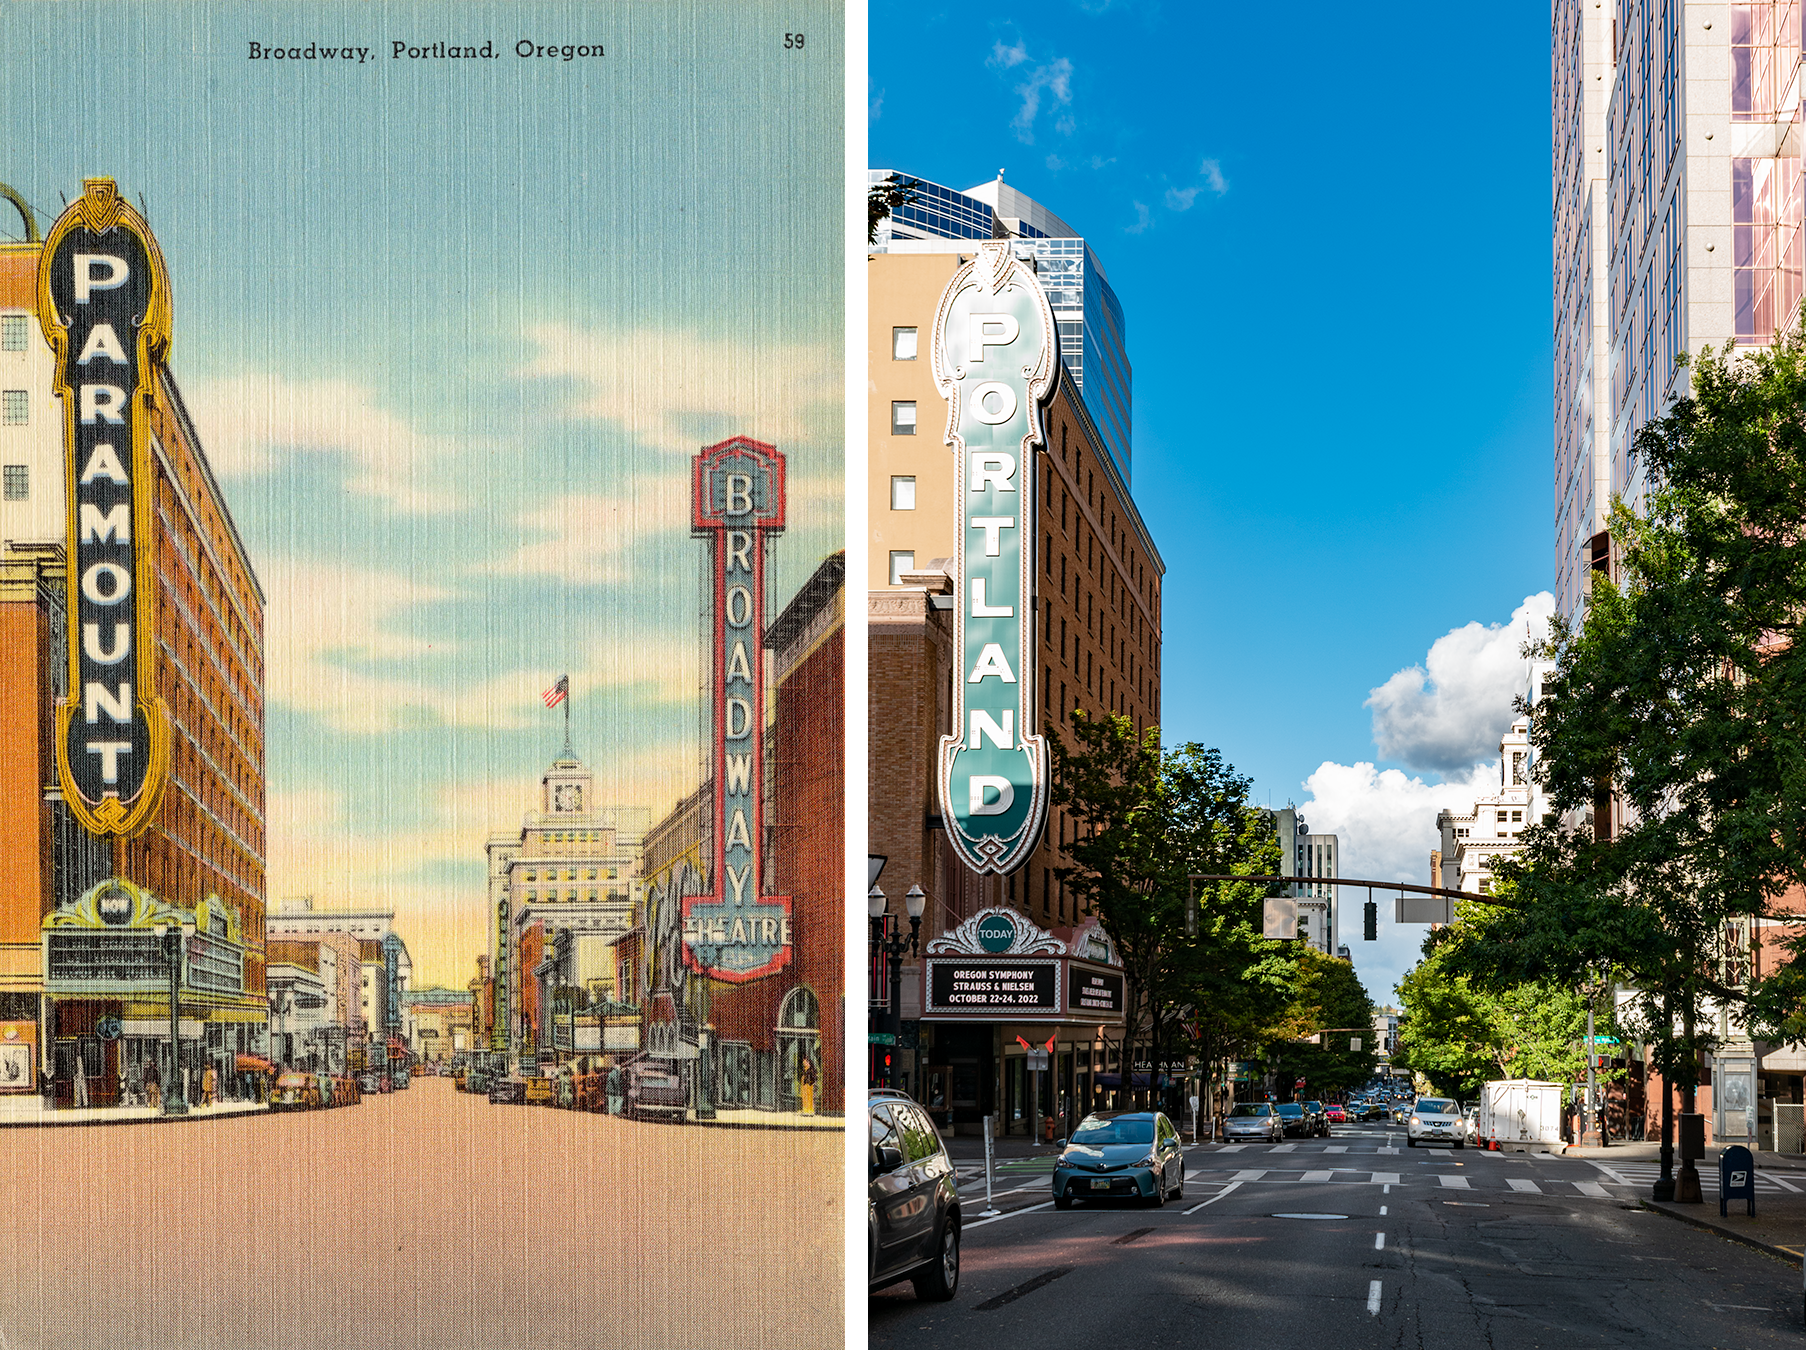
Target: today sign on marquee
[995,361]
[103,303]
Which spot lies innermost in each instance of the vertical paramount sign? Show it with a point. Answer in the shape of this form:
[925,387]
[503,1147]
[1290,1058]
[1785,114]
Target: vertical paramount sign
[995,362]
[103,302]
[736,934]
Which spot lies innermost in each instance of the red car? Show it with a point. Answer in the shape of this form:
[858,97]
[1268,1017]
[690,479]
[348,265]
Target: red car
[1337,1116]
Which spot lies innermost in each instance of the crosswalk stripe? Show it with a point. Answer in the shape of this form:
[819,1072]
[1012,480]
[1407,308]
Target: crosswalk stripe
[1282,1148]
[1317,1176]
[1336,1148]
[1592,1188]
[1524,1185]
[1451,1182]
[1232,1148]
[1384,1179]
[1250,1174]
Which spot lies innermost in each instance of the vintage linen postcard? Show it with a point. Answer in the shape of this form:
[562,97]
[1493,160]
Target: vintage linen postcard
[422,674]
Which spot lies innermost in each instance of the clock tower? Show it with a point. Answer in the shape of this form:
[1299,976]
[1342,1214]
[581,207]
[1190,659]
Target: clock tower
[566,788]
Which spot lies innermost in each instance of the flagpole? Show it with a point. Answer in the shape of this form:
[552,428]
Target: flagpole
[567,720]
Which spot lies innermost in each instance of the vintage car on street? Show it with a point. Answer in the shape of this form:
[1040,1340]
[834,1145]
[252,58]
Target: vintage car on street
[369,1082]
[345,1090]
[294,1092]
[654,1087]
[538,1091]
[508,1092]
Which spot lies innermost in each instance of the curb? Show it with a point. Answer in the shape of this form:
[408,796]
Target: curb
[51,1123]
[1706,1225]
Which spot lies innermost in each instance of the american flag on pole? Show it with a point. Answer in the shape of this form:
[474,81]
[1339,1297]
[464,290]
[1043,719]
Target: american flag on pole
[556,694]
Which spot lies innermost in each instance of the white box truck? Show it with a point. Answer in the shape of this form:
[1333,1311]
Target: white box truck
[1520,1113]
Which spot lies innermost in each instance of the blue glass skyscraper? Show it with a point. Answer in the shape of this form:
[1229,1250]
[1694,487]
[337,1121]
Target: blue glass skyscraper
[1090,320]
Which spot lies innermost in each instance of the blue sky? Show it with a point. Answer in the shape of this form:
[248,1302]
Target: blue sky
[1330,239]
[451,331]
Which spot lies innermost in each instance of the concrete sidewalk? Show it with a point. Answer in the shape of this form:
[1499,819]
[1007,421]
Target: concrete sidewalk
[769,1120]
[1779,1223]
[30,1111]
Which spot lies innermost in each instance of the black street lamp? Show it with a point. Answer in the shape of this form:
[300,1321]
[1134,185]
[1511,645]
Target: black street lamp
[175,942]
[892,948]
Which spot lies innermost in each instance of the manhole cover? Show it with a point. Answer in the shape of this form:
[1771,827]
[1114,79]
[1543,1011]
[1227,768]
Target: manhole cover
[1310,1216]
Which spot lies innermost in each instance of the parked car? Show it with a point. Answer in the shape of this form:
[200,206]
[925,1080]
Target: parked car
[538,1090]
[1319,1119]
[1254,1120]
[913,1212]
[294,1092]
[1471,1123]
[1117,1154]
[1435,1119]
[477,1080]
[369,1082]
[653,1087]
[1293,1116]
[1338,1115]
[508,1091]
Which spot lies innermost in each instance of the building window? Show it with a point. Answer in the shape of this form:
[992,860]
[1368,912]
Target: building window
[902,344]
[1766,246]
[899,564]
[18,482]
[902,492]
[15,405]
[902,416]
[12,333]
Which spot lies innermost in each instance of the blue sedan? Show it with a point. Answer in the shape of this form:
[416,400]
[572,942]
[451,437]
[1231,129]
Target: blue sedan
[1121,1155]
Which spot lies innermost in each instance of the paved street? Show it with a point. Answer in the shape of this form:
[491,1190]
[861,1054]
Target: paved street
[1390,1246]
[425,1218]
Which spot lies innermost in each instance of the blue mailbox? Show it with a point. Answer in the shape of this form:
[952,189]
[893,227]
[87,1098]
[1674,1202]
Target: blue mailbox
[1736,1177]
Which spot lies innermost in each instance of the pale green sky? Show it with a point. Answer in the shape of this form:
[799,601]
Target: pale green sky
[451,331]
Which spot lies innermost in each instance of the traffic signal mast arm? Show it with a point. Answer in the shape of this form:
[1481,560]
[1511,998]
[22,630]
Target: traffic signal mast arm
[1355,881]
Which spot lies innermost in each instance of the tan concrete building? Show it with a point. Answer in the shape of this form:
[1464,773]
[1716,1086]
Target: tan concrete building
[1097,598]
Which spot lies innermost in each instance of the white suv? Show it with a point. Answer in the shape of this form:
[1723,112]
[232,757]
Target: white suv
[1437,1119]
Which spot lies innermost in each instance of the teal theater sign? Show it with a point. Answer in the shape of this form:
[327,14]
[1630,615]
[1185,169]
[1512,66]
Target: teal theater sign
[995,361]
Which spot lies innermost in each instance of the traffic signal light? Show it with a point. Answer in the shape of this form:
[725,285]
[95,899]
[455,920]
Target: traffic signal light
[1370,921]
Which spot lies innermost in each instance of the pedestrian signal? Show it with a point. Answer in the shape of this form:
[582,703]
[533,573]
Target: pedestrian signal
[1370,921]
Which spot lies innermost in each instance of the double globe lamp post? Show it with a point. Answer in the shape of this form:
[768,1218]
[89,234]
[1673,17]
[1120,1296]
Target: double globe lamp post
[893,946]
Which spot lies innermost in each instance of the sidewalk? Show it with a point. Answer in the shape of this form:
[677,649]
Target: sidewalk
[31,1111]
[768,1120]
[1778,1226]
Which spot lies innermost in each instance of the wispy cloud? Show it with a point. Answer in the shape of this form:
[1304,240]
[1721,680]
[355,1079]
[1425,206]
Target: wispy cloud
[1052,80]
[1143,218]
[1007,57]
[1213,177]
[876,110]
[1180,199]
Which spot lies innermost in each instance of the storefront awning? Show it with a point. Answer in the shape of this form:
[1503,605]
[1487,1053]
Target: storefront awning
[252,1064]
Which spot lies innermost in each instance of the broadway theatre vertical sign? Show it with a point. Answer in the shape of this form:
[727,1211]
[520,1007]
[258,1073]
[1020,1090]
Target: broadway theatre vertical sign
[995,363]
[736,934]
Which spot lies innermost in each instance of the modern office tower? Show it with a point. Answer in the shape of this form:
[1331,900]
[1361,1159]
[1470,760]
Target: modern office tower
[1092,340]
[1676,138]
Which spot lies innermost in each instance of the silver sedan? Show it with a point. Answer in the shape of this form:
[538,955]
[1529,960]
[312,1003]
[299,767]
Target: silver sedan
[1254,1120]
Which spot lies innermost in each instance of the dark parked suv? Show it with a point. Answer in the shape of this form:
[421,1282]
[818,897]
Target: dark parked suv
[913,1200]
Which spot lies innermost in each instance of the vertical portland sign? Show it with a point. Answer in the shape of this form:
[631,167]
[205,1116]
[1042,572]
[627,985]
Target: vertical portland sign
[736,934]
[995,362]
[103,302]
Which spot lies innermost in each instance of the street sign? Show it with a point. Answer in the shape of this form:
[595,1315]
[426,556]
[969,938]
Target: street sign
[880,1038]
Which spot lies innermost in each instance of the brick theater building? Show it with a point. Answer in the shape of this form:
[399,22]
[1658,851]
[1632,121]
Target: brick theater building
[82,1003]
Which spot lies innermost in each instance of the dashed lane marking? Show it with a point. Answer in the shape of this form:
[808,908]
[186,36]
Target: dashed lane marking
[1373,1296]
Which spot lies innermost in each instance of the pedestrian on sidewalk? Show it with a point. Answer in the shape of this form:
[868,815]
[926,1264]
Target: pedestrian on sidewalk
[153,1083]
[805,1083]
[209,1084]
[614,1089]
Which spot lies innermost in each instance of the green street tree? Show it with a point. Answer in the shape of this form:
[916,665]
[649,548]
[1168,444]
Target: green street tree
[1331,1003]
[882,198]
[1143,821]
[1460,1034]
[1683,693]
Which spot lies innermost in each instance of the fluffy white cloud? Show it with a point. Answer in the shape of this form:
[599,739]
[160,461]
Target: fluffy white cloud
[673,390]
[251,422]
[1451,710]
[1385,828]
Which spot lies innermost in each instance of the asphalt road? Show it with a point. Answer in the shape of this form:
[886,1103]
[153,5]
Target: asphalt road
[420,1220]
[1437,1248]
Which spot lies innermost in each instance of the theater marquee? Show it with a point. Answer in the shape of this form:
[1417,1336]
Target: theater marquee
[998,966]
[995,362]
[103,302]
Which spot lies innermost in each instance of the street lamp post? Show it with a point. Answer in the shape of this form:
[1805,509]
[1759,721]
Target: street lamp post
[893,947]
[175,942]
